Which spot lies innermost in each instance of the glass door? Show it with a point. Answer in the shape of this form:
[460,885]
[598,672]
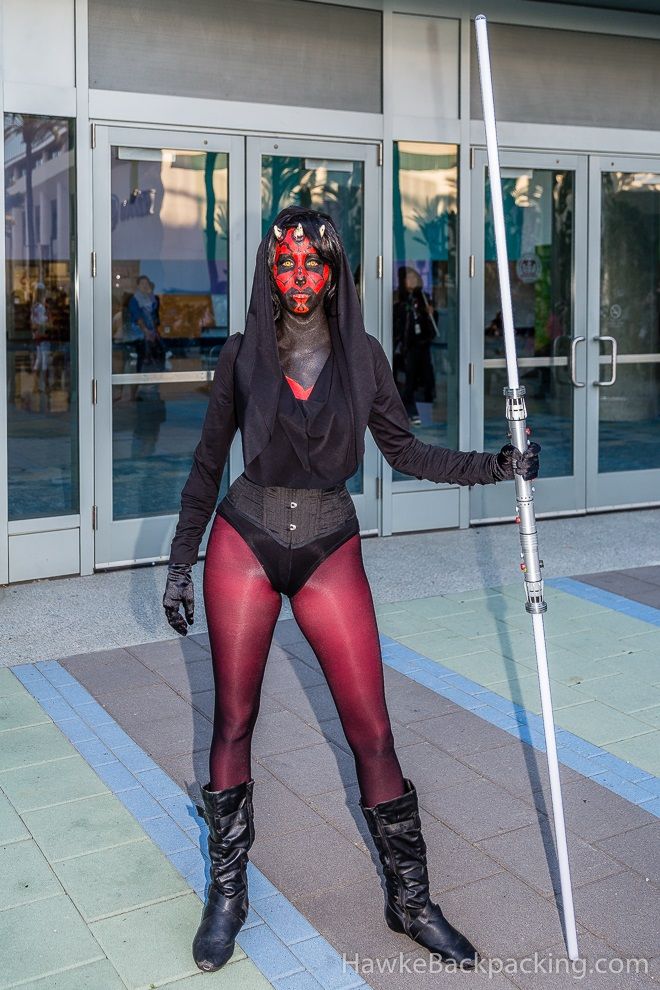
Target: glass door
[545,216]
[168,287]
[341,180]
[624,333]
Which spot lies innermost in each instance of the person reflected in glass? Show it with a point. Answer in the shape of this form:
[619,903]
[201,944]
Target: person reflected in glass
[414,329]
[302,383]
[144,317]
[41,336]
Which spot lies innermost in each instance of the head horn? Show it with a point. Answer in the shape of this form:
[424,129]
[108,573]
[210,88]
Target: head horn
[279,234]
[322,230]
[299,233]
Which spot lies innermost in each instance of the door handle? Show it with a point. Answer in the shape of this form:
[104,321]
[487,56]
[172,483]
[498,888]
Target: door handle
[615,351]
[574,343]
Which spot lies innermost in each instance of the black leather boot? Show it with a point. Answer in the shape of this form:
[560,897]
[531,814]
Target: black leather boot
[397,833]
[229,816]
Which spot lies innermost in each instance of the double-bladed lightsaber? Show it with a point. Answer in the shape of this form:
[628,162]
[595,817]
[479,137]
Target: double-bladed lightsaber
[516,414]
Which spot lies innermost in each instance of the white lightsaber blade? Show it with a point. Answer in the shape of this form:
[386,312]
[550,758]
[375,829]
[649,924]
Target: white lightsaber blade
[516,414]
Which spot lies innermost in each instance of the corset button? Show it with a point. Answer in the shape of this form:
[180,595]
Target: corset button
[294,505]
[292,525]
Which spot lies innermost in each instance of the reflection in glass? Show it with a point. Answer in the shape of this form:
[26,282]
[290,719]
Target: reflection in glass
[170,275]
[630,312]
[42,358]
[152,442]
[332,186]
[539,221]
[425,289]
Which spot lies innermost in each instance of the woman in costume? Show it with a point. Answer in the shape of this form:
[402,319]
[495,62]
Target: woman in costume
[302,383]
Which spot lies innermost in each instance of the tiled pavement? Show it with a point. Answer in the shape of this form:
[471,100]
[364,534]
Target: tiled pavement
[479,770]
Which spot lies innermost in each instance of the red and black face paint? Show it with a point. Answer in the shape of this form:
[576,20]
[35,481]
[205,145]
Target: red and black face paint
[300,274]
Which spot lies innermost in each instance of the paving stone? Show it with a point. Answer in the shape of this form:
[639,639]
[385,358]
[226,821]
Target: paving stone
[639,849]
[477,809]
[524,690]
[417,969]
[503,916]
[409,623]
[235,975]
[292,862]
[188,769]
[26,875]
[152,945]
[592,811]
[169,736]
[452,860]
[313,704]
[166,651]
[436,605]
[442,645]
[624,694]
[312,770]
[93,976]
[651,716]
[411,703]
[280,732]
[109,672]
[12,828]
[431,769]
[290,674]
[43,937]
[643,751]
[517,767]
[83,826]
[46,784]
[277,811]
[18,710]
[553,970]
[622,909]
[599,723]
[530,853]
[9,684]
[287,631]
[187,679]
[200,638]
[119,879]
[31,745]
[462,733]
[403,735]
[144,704]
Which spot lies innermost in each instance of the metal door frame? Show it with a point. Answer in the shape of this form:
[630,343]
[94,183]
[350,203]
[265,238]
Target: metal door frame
[613,490]
[556,496]
[144,539]
[367,504]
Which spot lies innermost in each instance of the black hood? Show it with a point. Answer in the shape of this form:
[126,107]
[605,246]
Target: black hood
[258,373]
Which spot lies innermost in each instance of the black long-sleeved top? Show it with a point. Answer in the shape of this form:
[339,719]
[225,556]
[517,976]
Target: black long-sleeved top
[310,447]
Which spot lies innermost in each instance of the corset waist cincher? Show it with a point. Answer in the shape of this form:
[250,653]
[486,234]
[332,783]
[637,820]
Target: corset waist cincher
[290,530]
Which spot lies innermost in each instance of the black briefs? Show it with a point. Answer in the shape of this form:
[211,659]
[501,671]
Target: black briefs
[290,530]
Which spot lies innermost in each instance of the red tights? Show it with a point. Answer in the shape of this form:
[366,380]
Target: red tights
[334,609]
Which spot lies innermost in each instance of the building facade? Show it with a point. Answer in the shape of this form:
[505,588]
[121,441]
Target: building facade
[148,145]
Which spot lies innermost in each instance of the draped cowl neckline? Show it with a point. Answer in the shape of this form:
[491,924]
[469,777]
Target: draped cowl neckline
[311,418]
[258,373]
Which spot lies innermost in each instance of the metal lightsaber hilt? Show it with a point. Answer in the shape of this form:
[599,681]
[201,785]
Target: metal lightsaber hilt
[531,565]
[516,415]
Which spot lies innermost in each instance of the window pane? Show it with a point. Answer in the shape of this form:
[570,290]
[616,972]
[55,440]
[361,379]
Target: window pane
[539,221]
[170,259]
[630,312]
[152,440]
[425,289]
[42,360]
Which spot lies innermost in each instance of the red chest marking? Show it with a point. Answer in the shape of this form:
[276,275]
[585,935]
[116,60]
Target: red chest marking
[298,390]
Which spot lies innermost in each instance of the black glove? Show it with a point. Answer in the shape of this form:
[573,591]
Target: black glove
[179,591]
[510,460]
